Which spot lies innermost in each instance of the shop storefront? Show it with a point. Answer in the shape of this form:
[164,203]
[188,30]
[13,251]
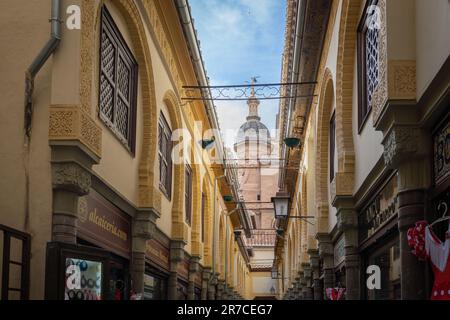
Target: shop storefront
[156,270]
[97,266]
[339,268]
[379,241]
[438,208]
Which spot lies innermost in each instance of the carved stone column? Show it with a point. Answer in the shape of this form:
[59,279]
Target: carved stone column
[406,149]
[176,256]
[70,181]
[75,141]
[212,287]
[300,284]
[220,288]
[307,288]
[194,267]
[348,224]
[315,268]
[206,275]
[144,228]
[295,290]
[326,253]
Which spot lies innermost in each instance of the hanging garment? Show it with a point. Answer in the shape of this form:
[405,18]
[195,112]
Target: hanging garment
[335,293]
[426,244]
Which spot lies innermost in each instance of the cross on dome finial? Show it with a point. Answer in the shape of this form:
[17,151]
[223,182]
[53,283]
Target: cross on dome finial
[252,83]
[253,102]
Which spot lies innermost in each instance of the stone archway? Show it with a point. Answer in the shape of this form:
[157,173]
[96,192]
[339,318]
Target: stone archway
[322,154]
[221,260]
[149,195]
[178,226]
[344,181]
[207,243]
[196,249]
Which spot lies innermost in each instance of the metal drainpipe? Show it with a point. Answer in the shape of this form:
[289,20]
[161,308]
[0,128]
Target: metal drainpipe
[39,61]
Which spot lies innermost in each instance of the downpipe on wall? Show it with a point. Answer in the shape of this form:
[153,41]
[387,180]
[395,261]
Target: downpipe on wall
[30,74]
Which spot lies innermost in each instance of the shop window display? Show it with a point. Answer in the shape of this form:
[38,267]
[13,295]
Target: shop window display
[83,280]
[154,288]
[388,259]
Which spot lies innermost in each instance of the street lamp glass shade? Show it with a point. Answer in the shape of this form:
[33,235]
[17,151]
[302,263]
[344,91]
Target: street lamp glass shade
[274,274]
[281,205]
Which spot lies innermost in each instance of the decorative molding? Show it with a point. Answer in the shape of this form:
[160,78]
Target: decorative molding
[380,94]
[87,54]
[402,79]
[164,43]
[149,196]
[397,78]
[71,176]
[350,15]
[344,183]
[347,219]
[400,142]
[72,123]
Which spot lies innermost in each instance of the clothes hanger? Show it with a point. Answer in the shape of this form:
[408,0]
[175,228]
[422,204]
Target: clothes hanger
[444,215]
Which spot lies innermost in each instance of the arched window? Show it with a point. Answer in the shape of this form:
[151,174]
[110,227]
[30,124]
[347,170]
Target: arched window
[165,156]
[118,83]
[332,144]
[368,59]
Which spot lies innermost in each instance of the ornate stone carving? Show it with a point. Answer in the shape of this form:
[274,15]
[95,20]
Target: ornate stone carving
[399,143]
[87,53]
[71,176]
[164,43]
[380,94]
[71,123]
[344,183]
[397,78]
[90,133]
[402,79]
[346,219]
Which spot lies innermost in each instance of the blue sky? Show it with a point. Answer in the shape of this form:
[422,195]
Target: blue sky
[240,39]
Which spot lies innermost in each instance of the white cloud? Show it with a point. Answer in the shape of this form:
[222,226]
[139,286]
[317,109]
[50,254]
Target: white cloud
[231,115]
[240,39]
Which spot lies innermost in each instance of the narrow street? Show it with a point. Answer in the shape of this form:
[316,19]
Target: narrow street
[225,150]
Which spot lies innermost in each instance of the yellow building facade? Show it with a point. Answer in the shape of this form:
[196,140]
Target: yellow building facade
[369,165]
[87,186]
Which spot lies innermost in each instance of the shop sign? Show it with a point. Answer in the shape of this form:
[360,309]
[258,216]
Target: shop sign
[157,253]
[442,154]
[339,251]
[102,223]
[380,210]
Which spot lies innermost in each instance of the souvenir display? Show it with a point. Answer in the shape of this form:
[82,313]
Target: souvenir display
[426,245]
[335,293]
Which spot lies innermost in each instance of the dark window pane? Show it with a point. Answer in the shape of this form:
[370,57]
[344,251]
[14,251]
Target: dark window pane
[118,82]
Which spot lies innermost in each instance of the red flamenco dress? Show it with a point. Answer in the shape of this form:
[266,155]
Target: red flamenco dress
[426,245]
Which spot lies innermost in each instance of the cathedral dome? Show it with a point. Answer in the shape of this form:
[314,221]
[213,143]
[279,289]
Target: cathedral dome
[253,130]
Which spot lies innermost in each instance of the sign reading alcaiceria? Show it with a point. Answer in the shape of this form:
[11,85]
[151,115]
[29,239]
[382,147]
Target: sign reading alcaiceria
[102,223]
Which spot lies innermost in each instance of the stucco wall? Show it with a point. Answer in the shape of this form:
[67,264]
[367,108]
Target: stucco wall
[433,42]
[21,39]
[118,167]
